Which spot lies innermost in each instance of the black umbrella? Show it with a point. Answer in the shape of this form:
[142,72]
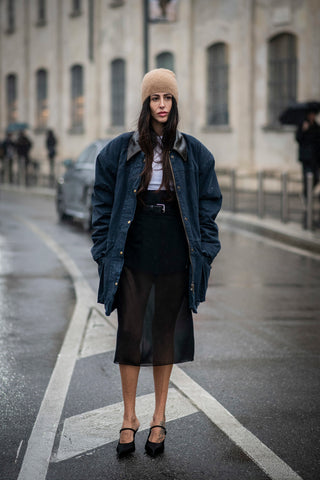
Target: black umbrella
[296,113]
[17,126]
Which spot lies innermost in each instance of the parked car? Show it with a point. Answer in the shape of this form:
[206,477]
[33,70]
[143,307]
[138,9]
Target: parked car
[75,187]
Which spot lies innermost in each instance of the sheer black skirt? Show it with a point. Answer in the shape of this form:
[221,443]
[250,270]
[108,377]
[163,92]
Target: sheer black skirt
[155,325]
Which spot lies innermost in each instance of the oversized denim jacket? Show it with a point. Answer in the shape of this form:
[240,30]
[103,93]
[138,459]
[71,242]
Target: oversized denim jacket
[118,169]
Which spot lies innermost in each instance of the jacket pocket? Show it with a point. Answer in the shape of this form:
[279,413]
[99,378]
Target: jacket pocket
[101,268]
[201,273]
[205,274]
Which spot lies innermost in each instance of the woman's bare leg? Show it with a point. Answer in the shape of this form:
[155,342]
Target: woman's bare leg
[129,380]
[161,376]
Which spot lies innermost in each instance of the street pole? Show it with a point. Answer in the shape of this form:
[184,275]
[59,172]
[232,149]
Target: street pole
[146,34]
[233,190]
[309,206]
[284,197]
[260,194]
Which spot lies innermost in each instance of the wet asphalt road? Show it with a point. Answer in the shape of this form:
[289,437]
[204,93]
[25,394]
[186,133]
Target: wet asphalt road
[257,353]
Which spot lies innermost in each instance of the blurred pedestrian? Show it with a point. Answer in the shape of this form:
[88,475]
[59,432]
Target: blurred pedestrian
[308,137]
[9,151]
[51,144]
[155,201]
[23,146]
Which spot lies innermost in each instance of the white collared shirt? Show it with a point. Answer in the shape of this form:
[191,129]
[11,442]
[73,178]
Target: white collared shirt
[157,171]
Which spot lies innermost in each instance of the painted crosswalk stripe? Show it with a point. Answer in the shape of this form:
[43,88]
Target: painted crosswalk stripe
[99,337]
[90,430]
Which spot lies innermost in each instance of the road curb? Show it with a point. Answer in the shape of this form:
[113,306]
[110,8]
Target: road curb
[289,233]
[40,191]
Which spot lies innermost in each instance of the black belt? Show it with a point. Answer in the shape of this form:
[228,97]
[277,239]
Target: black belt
[160,208]
[157,208]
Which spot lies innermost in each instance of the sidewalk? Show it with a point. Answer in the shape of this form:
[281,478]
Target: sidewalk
[290,233]
[45,191]
[270,225]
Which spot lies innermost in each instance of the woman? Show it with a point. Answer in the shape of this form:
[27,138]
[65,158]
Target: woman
[155,201]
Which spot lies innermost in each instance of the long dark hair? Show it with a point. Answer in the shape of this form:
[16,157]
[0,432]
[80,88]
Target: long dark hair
[148,141]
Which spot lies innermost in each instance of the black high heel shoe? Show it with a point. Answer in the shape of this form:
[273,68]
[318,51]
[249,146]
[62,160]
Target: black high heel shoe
[152,448]
[124,449]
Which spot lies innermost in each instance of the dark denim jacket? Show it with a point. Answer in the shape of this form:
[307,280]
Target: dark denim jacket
[118,170]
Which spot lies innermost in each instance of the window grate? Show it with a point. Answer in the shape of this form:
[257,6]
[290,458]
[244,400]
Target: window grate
[12,98]
[165,60]
[77,96]
[217,85]
[282,75]
[118,92]
[41,11]
[11,20]
[42,110]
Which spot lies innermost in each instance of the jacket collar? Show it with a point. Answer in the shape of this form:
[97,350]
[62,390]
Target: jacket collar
[180,146]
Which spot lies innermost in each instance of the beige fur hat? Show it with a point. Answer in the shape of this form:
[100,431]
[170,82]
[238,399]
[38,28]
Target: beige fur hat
[159,80]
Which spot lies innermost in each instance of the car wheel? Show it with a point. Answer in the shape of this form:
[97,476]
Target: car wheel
[61,214]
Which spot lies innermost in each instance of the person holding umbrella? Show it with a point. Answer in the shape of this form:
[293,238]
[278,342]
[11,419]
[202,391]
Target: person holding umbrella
[308,137]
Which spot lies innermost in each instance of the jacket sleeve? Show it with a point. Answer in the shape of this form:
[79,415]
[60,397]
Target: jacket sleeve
[102,198]
[210,200]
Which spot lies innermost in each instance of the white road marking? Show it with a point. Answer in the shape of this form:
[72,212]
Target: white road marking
[40,444]
[36,460]
[99,336]
[90,430]
[18,451]
[261,455]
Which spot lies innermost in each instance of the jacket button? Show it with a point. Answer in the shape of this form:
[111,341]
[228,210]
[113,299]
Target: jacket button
[134,191]
[172,156]
[192,250]
[186,218]
[129,221]
[121,253]
[116,283]
[178,187]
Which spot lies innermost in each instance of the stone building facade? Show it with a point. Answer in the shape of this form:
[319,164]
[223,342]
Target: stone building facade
[76,67]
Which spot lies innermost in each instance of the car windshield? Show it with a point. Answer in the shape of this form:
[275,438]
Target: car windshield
[87,156]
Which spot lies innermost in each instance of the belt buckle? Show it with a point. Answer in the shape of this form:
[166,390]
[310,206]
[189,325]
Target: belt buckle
[163,207]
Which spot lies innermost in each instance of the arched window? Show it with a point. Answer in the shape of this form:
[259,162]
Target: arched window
[217,84]
[282,74]
[12,97]
[75,7]
[42,111]
[118,92]
[41,11]
[165,60]
[11,20]
[77,97]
